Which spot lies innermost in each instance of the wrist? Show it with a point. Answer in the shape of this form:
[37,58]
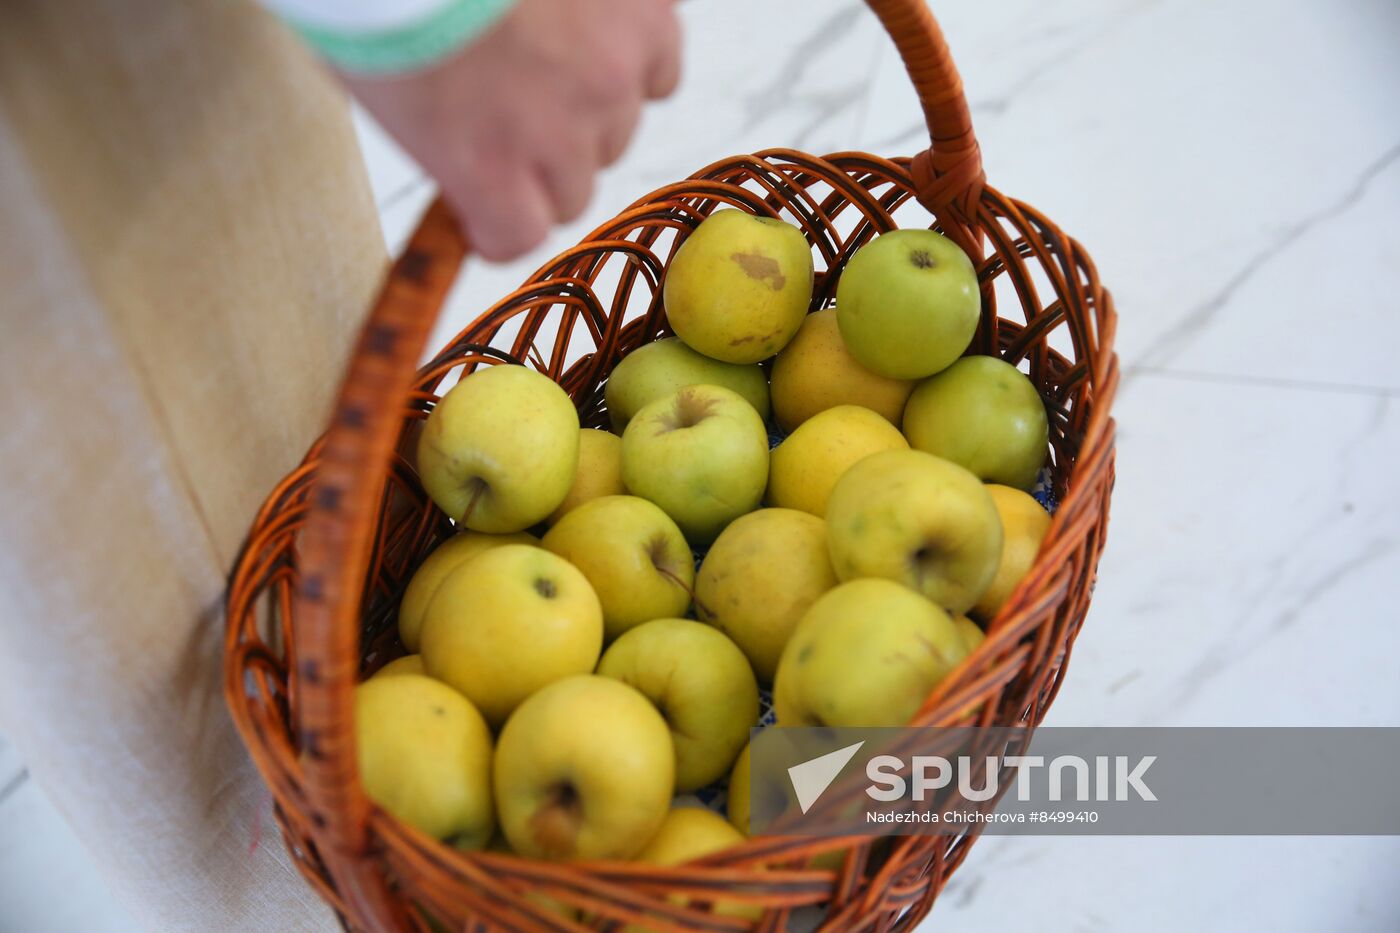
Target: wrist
[367,39]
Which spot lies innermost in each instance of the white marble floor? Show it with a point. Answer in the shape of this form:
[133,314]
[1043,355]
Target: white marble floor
[1234,168]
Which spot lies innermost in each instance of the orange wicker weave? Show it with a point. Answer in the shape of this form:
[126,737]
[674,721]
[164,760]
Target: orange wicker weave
[312,598]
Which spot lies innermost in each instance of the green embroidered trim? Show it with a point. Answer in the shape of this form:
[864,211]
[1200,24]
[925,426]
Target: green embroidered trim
[406,48]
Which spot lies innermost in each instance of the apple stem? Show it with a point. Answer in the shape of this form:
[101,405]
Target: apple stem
[690,591]
[478,487]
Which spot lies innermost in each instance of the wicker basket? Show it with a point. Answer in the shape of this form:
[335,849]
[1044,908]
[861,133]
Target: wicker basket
[312,598]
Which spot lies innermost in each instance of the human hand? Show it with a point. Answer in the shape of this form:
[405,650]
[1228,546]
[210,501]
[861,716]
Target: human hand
[516,125]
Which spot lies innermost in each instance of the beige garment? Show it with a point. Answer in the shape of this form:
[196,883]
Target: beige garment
[188,240]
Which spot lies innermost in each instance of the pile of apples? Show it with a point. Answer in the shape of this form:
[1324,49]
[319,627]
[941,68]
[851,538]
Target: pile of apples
[571,671]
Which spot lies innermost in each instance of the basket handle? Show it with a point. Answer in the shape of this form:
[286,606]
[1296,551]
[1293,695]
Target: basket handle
[948,176]
[334,549]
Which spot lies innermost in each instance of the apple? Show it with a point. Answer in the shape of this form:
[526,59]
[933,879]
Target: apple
[907,304]
[702,685]
[806,465]
[599,471]
[500,451]
[736,802]
[424,755]
[509,622]
[657,369]
[759,577]
[499,843]
[972,633]
[445,558]
[816,372]
[908,516]
[635,557]
[984,414]
[701,454]
[408,664]
[1024,524]
[584,769]
[866,654]
[776,791]
[689,833]
[739,286]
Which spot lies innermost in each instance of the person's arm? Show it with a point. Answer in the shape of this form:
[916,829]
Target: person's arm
[512,105]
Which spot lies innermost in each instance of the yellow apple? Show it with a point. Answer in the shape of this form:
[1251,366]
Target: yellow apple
[759,577]
[509,622]
[816,372]
[971,632]
[738,287]
[736,804]
[634,556]
[984,414]
[584,769]
[659,368]
[908,516]
[908,304]
[774,789]
[1024,523]
[408,664]
[500,451]
[687,834]
[424,755]
[445,558]
[599,471]
[499,843]
[866,654]
[701,454]
[806,465]
[701,683]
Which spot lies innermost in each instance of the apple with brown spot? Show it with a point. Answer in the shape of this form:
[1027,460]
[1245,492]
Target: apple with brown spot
[739,286]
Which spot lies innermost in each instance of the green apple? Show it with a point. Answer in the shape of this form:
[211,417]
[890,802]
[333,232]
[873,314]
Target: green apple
[866,654]
[445,558]
[816,372]
[408,664]
[599,471]
[500,451]
[702,685]
[759,577]
[971,632]
[584,769]
[424,755]
[1024,524]
[806,465]
[634,556]
[509,622]
[739,286]
[657,369]
[701,454]
[984,414]
[908,516]
[907,304]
